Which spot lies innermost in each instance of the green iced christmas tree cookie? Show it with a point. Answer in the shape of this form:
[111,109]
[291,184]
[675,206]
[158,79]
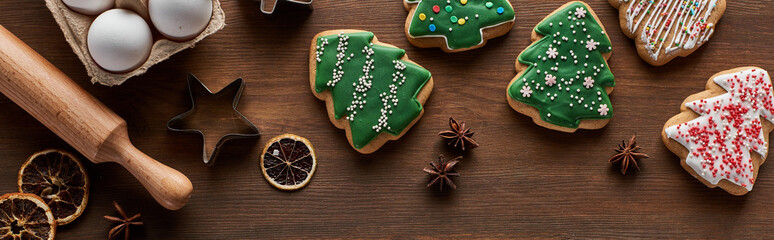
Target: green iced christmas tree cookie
[372,90]
[564,79]
[457,25]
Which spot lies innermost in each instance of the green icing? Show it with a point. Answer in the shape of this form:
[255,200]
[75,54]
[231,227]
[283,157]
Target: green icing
[571,99]
[475,13]
[391,79]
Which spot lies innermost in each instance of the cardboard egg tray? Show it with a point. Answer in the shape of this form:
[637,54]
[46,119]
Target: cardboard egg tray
[75,27]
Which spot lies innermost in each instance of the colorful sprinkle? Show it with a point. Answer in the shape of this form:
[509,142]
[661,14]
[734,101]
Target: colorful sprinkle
[687,16]
[432,27]
[500,10]
[458,13]
[489,4]
[422,16]
[436,9]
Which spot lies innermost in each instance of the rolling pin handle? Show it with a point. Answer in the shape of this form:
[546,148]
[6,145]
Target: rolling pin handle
[168,186]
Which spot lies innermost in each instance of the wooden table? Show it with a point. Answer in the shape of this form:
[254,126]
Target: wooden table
[524,180]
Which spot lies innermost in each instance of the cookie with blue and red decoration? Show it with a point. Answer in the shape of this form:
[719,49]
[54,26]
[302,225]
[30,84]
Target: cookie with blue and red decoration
[457,25]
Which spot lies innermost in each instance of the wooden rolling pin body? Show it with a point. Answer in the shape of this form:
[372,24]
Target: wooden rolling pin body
[81,120]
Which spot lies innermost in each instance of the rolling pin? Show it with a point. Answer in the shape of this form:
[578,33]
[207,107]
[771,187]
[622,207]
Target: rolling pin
[81,120]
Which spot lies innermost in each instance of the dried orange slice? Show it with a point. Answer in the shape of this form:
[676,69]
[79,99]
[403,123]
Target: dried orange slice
[25,216]
[288,162]
[59,178]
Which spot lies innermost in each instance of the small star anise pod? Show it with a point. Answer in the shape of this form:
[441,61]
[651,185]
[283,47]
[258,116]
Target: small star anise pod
[442,170]
[459,135]
[627,153]
[123,221]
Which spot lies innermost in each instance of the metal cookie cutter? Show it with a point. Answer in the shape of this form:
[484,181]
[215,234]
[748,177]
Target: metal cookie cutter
[268,6]
[214,115]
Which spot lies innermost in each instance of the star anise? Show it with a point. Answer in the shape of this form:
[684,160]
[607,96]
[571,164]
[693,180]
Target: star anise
[123,221]
[442,170]
[459,135]
[627,153]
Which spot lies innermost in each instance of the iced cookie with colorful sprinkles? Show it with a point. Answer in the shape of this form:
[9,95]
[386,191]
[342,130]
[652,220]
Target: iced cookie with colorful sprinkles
[371,89]
[563,78]
[666,29]
[457,25]
[722,134]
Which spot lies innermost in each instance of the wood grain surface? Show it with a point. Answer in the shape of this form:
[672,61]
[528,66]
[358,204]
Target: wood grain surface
[524,180]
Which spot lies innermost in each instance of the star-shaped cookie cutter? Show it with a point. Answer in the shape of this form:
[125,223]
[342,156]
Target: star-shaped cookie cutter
[268,6]
[204,113]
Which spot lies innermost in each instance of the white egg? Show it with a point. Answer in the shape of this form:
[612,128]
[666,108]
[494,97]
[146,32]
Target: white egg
[89,7]
[119,40]
[180,20]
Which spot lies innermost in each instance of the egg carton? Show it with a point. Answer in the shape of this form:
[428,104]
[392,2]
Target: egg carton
[75,27]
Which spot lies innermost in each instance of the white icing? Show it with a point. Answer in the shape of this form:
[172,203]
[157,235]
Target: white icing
[591,45]
[660,20]
[580,12]
[526,91]
[588,82]
[552,53]
[550,80]
[729,128]
[603,109]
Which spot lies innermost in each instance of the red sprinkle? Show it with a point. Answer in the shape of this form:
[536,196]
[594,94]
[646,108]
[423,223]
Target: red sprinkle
[721,143]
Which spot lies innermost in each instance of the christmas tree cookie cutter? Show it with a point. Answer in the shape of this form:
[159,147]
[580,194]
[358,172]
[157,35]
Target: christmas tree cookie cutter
[210,118]
[268,6]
